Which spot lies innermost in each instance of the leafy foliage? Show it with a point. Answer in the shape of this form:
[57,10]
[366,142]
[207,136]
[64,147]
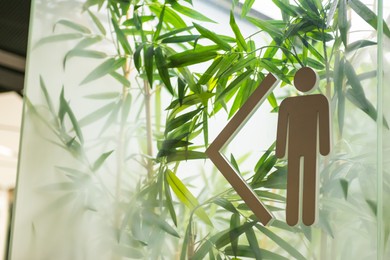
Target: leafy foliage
[311,33]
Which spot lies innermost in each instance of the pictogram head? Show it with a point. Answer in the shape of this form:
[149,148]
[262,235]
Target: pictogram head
[306,79]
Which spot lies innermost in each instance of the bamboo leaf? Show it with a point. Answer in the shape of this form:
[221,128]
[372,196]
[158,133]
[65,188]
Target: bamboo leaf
[169,202]
[343,20]
[120,78]
[233,234]
[191,57]
[58,38]
[186,197]
[246,7]
[142,19]
[359,44]
[170,16]
[239,38]
[163,70]
[154,219]
[72,25]
[369,16]
[234,83]
[180,39]
[338,83]
[206,76]
[99,162]
[212,36]
[97,22]
[105,95]
[64,106]
[159,25]
[181,90]
[281,242]
[189,12]
[185,155]
[271,29]
[137,56]
[344,186]
[148,59]
[97,114]
[88,42]
[253,243]
[224,203]
[234,224]
[103,69]
[174,32]
[121,37]
[83,53]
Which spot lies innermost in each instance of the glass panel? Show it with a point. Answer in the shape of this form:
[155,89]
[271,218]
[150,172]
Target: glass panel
[120,109]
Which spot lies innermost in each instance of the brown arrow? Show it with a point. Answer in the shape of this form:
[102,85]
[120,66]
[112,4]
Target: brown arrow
[227,134]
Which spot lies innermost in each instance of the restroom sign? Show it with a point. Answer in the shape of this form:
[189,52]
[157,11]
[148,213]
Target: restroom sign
[303,132]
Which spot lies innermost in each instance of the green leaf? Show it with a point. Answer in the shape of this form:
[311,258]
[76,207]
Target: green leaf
[344,186]
[246,7]
[174,32]
[271,29]
[154,219]
[233,234]
[206,76]
[190,57]
[186,197]
[72,25]
[83,53]
[137,56]
[234,83]
[338,84]
[170,16]
[169,203]
[234,163]
[239,38]
[121,37]
[64,106]
[58,38]
[180,120]
[88,42]
[105,95]
[356,95]
[99,162]
[212,36]
[185,155]
[103,69]
[159,25]
[120,78]
[234,224]
[97,114]
[281,242]
[181,38]
[253,243]
[163,70]
[142,19]
[190,12]
[181,85]
[224,203]
[359,44]
[369,16]
[46,94]
[97,22]
[264,168]
[343,20]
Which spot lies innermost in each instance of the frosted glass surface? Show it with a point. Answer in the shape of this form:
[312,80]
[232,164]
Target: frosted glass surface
[78,183]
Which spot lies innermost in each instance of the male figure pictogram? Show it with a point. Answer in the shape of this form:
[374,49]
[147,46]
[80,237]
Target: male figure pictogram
[303,129]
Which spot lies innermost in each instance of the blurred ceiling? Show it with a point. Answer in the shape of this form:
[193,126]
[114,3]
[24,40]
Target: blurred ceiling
[14,20]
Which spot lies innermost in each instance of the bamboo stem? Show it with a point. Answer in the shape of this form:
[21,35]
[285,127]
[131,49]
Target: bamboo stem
[149,134]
